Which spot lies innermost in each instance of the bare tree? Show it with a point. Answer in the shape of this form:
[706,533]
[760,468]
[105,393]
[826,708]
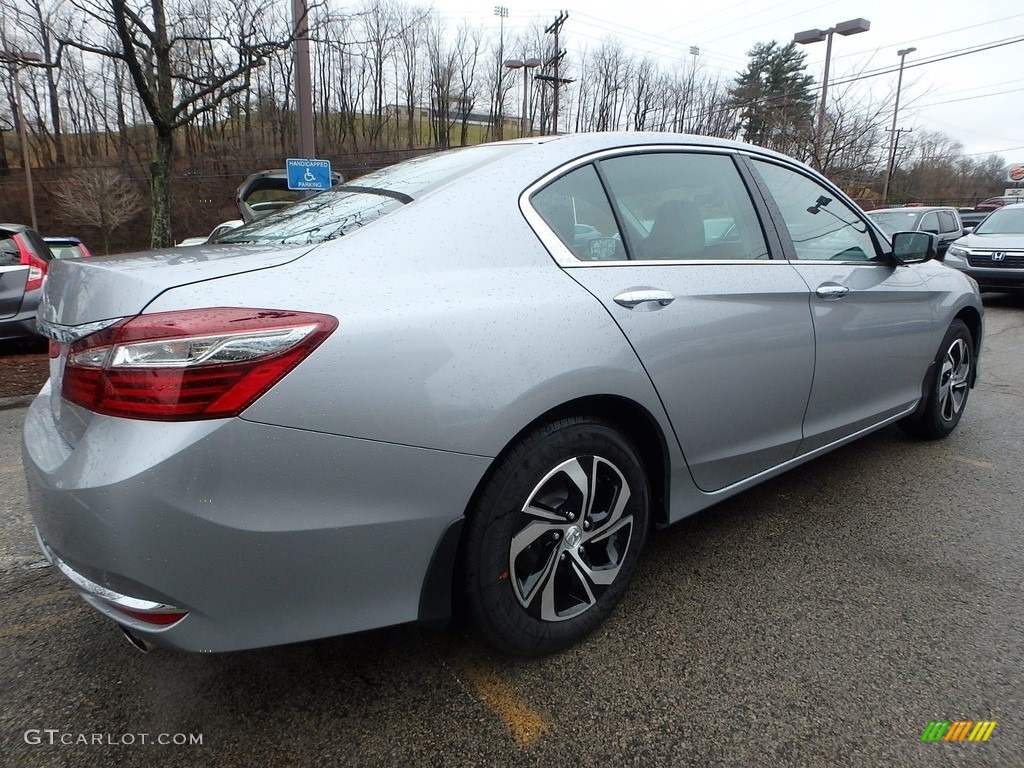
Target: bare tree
[100,198]
[157,43]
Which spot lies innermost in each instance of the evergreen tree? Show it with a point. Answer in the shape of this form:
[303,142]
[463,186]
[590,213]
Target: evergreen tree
[775,99]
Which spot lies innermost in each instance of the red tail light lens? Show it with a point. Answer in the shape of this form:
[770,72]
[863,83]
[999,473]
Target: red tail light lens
[193,364]
[36,265]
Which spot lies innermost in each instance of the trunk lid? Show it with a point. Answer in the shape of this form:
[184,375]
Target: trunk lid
[82,296]
[82,291]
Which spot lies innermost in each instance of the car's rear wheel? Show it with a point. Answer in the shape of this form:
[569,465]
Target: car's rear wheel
[947,395]
[554,537]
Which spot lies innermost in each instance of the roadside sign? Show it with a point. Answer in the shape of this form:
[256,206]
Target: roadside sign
[1015,173]
[308,175]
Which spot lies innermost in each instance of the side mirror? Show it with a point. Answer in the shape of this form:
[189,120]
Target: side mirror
[603,249]
[913,247]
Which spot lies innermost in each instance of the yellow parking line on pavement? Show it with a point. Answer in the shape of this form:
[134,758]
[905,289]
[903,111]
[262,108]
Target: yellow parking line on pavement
[525,723]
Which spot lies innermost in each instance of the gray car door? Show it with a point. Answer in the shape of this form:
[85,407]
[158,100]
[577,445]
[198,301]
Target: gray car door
[872,318]
[13,277]
[722,329]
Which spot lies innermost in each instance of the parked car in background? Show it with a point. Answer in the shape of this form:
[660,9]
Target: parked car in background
[222,228]
[943,222]
[24,262]
[265,192]
[994,203]
[971,218]
[67,247]
[489,372]
[993,253]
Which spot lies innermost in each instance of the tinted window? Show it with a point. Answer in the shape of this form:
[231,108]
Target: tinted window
[821,226]
[577,210]
[9,253]
[930,222]
[892,222]
[680,205]
[947,222]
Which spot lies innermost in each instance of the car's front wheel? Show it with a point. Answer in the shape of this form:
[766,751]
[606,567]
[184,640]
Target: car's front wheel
[555,535]
[947,395]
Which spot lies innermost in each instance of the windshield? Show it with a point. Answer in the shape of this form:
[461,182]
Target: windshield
[1005,221]
[345,208]
[892,222]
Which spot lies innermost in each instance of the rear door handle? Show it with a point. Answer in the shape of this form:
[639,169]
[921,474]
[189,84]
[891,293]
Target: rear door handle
[831,291]
[644,299]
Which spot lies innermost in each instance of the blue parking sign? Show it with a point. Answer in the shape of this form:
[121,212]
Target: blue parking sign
[309,175]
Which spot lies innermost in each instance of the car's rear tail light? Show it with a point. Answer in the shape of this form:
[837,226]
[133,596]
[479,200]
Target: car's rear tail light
[36,265]
[192,364]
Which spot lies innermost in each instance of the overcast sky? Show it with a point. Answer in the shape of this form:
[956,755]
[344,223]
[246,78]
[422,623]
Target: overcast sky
[976,99]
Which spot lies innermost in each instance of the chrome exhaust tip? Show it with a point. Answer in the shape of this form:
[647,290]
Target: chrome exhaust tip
[137,642]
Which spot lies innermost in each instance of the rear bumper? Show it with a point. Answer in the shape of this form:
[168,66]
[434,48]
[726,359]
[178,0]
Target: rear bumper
[264,535]
[21,326]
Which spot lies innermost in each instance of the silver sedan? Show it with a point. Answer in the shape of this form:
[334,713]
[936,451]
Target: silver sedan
[476,378]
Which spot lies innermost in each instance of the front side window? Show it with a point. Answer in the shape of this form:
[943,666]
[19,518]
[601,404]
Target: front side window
[930,223]
[821,226]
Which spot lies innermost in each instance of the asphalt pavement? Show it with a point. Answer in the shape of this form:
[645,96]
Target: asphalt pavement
[824,618]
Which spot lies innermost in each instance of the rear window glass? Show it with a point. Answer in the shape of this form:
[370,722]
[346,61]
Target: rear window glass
[356,203]
[891,223]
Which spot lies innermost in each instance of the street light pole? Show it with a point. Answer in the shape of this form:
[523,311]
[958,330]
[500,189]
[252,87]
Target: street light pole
[845,28]
[14,60]
[501,12]
[526,65]
[890,166]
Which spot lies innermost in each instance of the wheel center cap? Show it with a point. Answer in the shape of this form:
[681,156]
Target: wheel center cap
[573,537]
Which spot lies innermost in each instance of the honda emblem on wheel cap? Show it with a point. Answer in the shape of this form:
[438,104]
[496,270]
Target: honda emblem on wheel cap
[998,255]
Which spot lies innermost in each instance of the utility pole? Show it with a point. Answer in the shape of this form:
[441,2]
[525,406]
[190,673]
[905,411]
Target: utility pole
[557,82]
[894,141]
[895,134]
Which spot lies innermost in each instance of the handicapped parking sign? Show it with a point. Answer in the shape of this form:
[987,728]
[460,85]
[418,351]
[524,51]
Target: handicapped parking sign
[308,175]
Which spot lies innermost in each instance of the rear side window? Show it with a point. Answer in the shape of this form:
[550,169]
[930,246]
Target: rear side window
[684,206]
[577,210]
[947,222]
[659,206]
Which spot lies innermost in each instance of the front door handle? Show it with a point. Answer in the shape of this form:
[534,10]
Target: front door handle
[644,299]
[831,291]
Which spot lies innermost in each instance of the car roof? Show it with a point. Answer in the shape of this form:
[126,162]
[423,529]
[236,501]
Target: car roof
[58,240]
[914,209]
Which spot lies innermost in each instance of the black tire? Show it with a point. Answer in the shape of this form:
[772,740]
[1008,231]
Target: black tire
[949,387]
[534,559]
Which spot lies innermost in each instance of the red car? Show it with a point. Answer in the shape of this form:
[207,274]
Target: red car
[66,247]
[997,202]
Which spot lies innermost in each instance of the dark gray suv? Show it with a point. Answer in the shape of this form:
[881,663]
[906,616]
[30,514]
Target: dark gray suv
[24,258]
[942,221]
